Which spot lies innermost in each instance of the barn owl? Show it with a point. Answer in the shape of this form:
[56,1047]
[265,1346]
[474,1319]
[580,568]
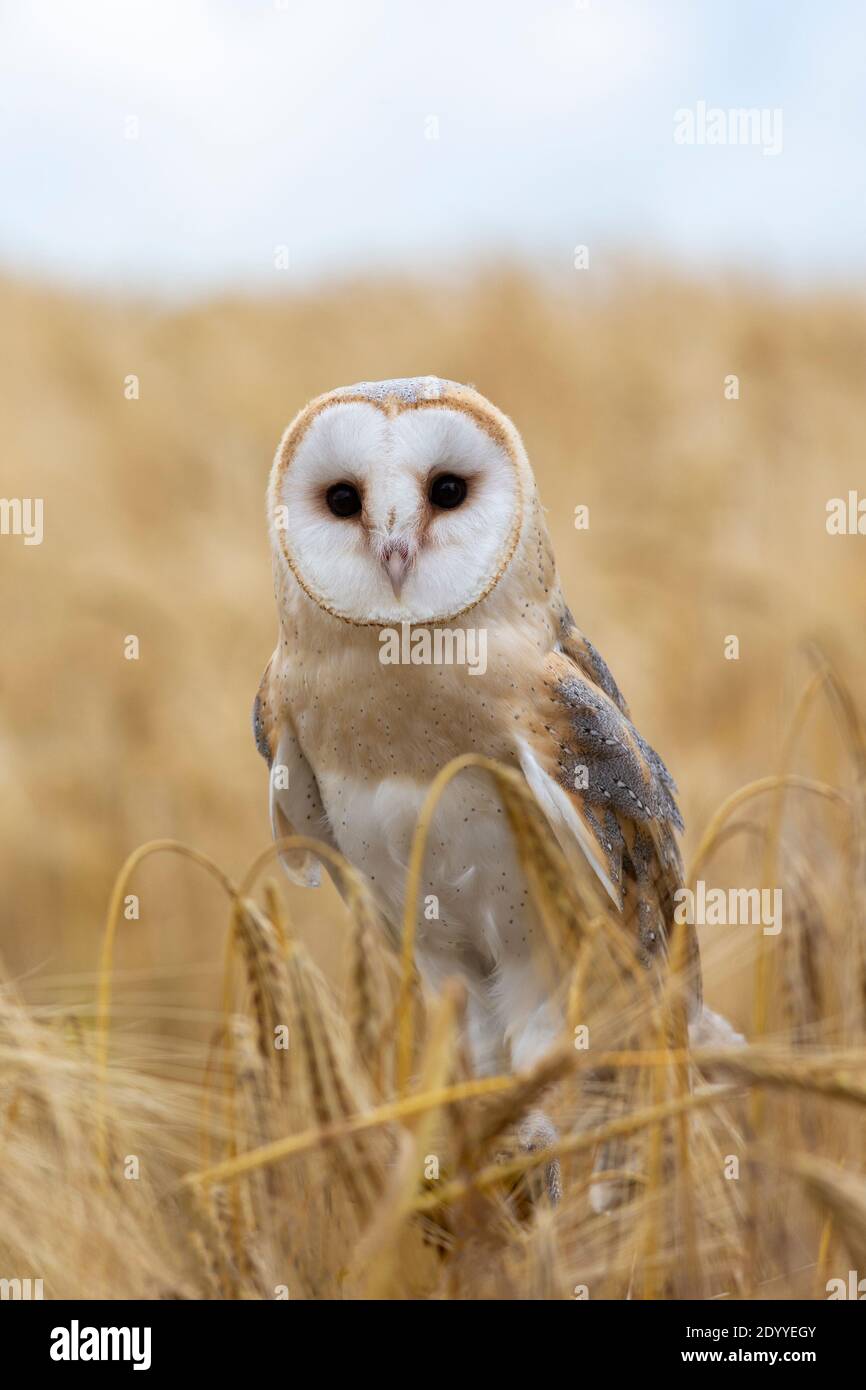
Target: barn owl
[407,505]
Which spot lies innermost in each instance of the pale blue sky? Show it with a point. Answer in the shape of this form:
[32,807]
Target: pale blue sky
[265,123]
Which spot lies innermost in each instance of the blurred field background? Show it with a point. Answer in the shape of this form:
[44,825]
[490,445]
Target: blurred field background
[707,519]
[241,206]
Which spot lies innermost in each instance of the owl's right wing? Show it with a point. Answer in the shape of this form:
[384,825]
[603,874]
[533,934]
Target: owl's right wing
[295,800]
[607,795]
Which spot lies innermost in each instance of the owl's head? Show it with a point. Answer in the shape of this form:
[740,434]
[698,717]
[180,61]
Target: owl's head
[398,501]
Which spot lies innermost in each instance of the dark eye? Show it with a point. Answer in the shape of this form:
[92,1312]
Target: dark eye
[343,499]
[447,491]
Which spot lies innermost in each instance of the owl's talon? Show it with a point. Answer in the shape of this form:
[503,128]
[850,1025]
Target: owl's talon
[538,1132]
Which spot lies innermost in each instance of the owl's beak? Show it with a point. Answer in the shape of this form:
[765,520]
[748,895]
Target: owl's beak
[397,561]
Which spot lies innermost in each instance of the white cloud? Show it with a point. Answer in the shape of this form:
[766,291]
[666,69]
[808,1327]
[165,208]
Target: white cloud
[262,125]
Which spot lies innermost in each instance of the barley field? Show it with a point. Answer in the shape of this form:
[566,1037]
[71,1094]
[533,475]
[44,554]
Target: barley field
[155,1144]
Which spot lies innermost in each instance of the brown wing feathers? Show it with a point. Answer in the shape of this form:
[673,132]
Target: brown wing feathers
[620,787]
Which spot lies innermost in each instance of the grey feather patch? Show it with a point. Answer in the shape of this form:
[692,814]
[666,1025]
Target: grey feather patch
[259,733]
[616,778]
[602,675]
[650,920]
[408,389]
[610,837]
[598,667]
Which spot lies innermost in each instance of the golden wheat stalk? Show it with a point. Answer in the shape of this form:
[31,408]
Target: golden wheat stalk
[103,1007]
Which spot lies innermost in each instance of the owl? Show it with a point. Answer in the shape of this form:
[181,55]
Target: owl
[402,512]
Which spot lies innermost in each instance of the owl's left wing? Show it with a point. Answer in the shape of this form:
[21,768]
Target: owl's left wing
[295,800]
[607,794]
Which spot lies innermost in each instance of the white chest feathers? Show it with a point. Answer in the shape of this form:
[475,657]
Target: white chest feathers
[474,917]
